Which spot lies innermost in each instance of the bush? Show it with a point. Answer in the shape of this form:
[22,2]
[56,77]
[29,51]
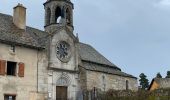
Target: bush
[160,94]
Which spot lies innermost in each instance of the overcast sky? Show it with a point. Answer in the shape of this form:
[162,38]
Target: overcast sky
[133,34]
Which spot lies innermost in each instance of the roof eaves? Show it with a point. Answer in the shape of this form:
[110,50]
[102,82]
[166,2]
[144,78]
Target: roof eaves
[109,73]
[115,67]
[21,44]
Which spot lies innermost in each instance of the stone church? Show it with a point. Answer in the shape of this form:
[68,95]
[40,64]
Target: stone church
[52,64]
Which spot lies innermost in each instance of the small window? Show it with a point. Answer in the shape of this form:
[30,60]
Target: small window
[103,78]
[127,85]
[12,48]
[11,68]
[104,82]
[9,97]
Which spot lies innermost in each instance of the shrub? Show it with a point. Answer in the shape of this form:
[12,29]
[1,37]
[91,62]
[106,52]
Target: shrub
[160,94]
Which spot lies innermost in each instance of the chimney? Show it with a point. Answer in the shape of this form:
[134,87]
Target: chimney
[19,16]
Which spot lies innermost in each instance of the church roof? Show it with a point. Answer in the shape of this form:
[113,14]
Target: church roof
[88,53]
[106,69]
[34,38]
[92,60]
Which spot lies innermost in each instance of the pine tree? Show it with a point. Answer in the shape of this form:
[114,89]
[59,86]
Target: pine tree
[158,75]
[168,74]
[144,82]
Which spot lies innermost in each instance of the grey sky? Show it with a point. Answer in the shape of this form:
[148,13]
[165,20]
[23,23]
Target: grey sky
[133,34]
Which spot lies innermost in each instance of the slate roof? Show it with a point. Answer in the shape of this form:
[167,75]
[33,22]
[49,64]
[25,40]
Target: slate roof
[88,53]
[105,69]
[94,61]
[11,34]
[37,39]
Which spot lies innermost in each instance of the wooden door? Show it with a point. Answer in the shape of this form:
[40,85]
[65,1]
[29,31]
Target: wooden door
[61,93]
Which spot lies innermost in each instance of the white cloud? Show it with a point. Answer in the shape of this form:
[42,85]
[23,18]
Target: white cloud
[165,4]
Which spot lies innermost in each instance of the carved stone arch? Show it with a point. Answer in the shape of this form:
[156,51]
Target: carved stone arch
[68,6]
[57,5]
[63,80]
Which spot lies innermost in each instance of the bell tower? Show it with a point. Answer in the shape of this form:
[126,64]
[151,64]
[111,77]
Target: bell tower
[58,14]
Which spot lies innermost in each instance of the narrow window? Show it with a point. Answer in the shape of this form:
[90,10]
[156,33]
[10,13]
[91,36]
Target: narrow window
[58,15]
[103,77]
[13,48]
[104,82]
[11,68]
[9,97]
[48,16]
[68,16]
[127,85]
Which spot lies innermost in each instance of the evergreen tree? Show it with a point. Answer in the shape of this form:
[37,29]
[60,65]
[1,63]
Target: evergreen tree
[144,82]
[168,74]
[158,75]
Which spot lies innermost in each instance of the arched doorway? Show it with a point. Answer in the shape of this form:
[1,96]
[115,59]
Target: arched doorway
[62,88]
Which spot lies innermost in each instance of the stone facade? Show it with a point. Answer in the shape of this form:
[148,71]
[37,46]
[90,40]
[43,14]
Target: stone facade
[57,65]
[63,71]
[23,87]
[106,81]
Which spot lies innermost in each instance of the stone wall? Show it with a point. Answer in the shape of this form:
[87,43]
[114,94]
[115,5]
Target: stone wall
[21,86]
[42,72]
[106,81]
[83,78]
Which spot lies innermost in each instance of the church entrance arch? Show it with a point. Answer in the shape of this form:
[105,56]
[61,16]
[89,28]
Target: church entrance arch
[62,87]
